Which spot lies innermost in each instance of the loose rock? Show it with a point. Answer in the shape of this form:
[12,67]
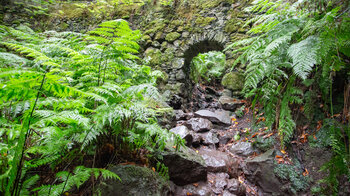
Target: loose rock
[199,124]
[242,148]
[184,133]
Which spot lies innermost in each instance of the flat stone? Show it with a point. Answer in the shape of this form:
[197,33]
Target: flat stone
[219,118]
[242,148]
[199,124]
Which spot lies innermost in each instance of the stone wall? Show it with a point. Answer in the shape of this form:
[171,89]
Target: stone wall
[172,35]
[172,40]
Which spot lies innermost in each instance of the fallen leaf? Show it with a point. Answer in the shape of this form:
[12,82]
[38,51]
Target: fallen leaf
[269,135]
[278,156]
[284,152]
[306,172]
[154,169]
[255,134]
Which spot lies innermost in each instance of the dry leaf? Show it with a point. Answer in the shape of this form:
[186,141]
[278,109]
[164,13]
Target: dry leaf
[306,172]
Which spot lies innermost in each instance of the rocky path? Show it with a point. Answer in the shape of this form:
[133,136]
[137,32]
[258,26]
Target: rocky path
[216,161]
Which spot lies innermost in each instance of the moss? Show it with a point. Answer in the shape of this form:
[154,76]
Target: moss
[159,36]
[233,81]
[177,23]
[204,21]
[170,37]
[155,26]
[232,26]
[155,55]
[211,4]
[146,38]
[169,55]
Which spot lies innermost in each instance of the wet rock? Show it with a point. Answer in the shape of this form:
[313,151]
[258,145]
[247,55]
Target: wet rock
[212,91]
[217,161]
[180,75]
[175,101]
[242,148]
[225,137]
[220,182]
[235,187]
[184,133]
[136,180]
[210,138]
[185,165]
[229,103]
[202,189]
[179,115]
[227,193]
[260,170]
[199,124]
[219,118]
[197,139]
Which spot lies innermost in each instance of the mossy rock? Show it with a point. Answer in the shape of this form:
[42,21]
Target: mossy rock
[204,21]
[135,180]
[168,54]
[170,37]
[232,26]
[155,55]
[233,81]
[155,26]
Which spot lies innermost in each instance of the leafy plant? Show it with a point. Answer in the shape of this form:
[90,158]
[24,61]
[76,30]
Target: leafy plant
[65,97]
[294,52]
[207,66]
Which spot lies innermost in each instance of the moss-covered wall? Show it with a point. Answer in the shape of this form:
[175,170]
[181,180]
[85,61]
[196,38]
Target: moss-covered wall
[172,34]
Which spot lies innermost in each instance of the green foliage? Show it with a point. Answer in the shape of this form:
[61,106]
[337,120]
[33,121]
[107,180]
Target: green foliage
[293,174]
[295,51]
[65,95]
[338,139]
[207,66]
[284,51]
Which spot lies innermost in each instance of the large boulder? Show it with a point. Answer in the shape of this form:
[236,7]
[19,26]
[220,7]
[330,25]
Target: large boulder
[260,171]
[233,81]
[135,180]
[217,117]
[199,124]
[185,165]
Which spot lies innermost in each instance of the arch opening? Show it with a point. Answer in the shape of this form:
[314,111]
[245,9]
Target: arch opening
[198,96]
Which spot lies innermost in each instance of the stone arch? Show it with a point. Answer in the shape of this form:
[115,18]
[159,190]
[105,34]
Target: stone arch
[199,43]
